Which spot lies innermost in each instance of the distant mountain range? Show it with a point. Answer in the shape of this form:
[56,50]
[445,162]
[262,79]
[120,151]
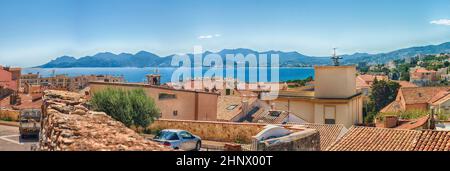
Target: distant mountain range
[287,59]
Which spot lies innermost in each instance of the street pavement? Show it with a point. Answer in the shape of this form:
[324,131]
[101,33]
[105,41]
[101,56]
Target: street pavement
[10,140]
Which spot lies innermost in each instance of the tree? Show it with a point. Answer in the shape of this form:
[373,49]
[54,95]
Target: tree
[131,107]
[446,63]
[383,93]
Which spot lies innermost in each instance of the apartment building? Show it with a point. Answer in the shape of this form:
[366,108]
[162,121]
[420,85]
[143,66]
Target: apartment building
[423,77]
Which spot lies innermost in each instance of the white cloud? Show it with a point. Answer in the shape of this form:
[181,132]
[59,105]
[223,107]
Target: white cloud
[441,22]
[209,36]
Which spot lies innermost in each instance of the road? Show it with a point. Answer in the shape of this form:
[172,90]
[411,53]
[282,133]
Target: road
[10,140]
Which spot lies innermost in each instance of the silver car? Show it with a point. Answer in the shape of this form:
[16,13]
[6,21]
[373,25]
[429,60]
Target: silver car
[179,139]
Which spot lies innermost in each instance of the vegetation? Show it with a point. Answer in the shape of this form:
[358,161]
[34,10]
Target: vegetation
[131,107]
[383,93]
[443,117]
[301,82]
[6,119]
[410,114]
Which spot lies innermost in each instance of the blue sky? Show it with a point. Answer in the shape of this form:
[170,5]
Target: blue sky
[32,32]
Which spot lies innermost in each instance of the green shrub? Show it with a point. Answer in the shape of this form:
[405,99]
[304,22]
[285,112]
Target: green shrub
[131,107]
[443,117]
[7,119]
[410,114]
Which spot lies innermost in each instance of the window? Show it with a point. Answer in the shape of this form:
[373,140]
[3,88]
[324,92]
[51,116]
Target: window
[330,115]
[330,121]
[231,107]
[165,96]
[166,135]
[274,113]
[186,135]
[175,113]
[227,92]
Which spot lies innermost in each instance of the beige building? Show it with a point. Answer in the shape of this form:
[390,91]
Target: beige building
[332,100]
[173,103]
[30,78]
[64,82]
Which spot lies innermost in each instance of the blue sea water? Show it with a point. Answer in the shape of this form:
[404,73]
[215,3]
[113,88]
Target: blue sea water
[138,74]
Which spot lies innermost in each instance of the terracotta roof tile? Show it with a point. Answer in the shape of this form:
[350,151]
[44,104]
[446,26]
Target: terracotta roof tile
[394,106]
[386,139]
[329,133]
[263,117]
[228,107]
[405,84]
[414,95]
[433,141]
[376,139]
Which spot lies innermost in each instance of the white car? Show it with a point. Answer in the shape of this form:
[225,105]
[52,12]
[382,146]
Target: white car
[179,139]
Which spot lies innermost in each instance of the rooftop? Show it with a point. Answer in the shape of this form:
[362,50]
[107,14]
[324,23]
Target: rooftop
[410,124]
[414,95]
[422,70]
[385,139]
[270,117]
[405,83]
[228,107]
[376,139]
[329,133]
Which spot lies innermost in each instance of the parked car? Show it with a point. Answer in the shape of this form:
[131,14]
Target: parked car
[178,139]
[30,122]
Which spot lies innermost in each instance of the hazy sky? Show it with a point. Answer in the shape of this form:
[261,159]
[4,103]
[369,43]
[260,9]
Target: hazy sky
[32,32]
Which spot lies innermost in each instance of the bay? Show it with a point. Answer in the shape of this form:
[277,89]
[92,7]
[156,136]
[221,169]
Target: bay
[138,74]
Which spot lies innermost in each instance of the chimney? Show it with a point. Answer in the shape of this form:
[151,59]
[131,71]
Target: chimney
[154,79]
[390,121]
[245,107]
[432,123]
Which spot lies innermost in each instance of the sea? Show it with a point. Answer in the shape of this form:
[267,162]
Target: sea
[252,74]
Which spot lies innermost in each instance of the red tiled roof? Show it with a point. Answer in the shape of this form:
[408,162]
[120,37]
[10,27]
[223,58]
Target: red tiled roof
[370,78]
[433,141]
[376,139]
[262,116]
[414,95]
[329,133]
[413,123]
[360,83]
[394,106]
[410,124]
[438,96]
[406,84]
[386,139]
[422,70]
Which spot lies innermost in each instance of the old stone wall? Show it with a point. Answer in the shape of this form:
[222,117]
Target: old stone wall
[305,140]
[68,125]
[214,131]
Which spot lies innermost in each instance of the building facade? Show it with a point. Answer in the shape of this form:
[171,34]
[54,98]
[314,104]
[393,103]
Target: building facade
[423,77]
[333,100]
[10,77]
[172,103]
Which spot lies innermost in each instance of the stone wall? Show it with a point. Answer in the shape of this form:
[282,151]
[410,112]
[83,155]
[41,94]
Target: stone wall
[214,131]
[68,125]
[305,140]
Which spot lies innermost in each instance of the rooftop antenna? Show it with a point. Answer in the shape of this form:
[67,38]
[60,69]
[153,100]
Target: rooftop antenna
[335,58]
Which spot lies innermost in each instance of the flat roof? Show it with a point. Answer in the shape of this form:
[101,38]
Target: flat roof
[310,95]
